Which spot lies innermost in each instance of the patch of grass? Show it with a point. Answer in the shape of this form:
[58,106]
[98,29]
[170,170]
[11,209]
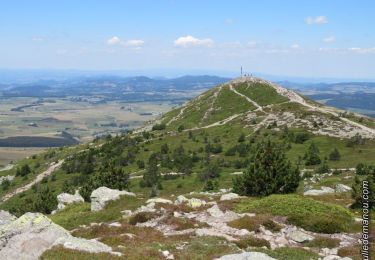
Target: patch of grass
[323,242]
[80,214]
[263,94]
[249,223]
[184,223]
[142,217]
[272,225]
[290,253]
[59,252]
[252,242]
[303,212]
[353,252]
[206,247]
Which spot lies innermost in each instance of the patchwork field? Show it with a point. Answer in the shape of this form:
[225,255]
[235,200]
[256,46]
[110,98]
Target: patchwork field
[82,118]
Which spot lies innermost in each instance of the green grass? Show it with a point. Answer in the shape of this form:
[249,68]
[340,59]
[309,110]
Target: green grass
[261,93]
[80,214]
[59,252]
[290,253]
[303,212]
[323,242]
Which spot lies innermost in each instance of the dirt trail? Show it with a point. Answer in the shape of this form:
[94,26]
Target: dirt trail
[218,123]
[178,116]
[247,98]
[38,179]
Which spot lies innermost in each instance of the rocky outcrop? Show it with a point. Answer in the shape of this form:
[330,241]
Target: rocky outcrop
[247,256]
[180,200]
[64,199]
[229,196]
[323,190]
[33,233]
[340,188]
[6,218]
[159,200]
[299,236]
[101,196]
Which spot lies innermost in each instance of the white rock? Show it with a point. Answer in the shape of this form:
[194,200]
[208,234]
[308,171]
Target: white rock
[342,188]
[229,196]
[159,200]
[64,199]
[6,217]
[247,256]
[114,224]
[167,255]
[196,203]
[336,257]
[127,212]
[323,190]
[33,233]
[180,199]
[215,211]
[299,236]
[101,196]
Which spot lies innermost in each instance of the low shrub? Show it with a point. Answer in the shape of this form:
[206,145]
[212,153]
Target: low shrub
[304,212]
[252,242]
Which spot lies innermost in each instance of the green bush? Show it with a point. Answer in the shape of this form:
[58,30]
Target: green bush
[303,212]
[252,242]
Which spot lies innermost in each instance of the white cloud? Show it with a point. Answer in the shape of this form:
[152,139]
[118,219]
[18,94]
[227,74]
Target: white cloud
[114,41]
[316,20]
[329,39]
[190,41]
[134,43]
[129,43]
[295,46]
[362,50]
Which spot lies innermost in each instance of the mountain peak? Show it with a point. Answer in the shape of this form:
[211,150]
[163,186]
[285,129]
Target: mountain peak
[256,103]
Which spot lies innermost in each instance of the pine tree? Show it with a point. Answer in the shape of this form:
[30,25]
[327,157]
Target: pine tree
[312,155]
[269,173]
[152,177]
[334,155]
[45,201]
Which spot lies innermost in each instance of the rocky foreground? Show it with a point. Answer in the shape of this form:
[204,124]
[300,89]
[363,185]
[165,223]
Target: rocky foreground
[30,235]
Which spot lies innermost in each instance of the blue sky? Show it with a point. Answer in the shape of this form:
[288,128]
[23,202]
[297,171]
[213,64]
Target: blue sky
[324,38]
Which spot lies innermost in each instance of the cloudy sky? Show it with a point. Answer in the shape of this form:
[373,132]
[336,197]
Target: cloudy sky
[317,38]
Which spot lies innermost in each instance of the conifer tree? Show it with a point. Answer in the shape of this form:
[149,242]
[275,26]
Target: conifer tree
[268,173]
[312,155]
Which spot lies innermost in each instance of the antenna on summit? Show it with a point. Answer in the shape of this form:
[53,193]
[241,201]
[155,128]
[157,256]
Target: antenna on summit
[241,71]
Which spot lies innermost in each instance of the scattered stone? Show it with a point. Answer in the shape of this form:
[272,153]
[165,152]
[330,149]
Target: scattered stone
[299,236]
[101,196]
[229,196]
[167,255]
[127,212]
[196,203]
[323,190]
[340,188]
[247,256]
[114,224]
[159,200]
[180,199]
[64,199]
